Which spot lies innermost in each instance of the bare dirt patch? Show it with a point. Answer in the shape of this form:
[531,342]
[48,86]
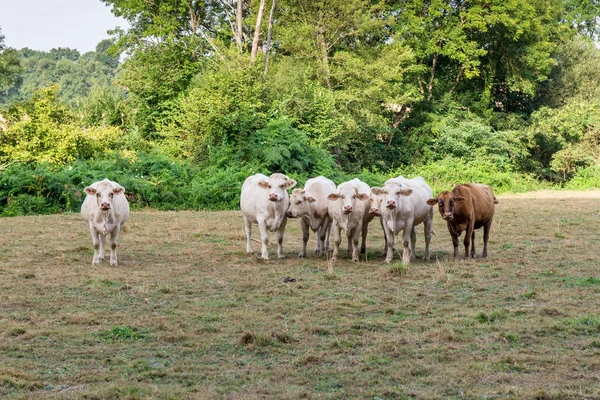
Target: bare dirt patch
[187,314]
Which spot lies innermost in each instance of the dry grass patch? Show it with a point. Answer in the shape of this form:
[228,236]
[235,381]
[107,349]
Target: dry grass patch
[187,314]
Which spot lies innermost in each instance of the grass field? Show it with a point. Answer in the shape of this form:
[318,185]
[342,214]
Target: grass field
[187,314]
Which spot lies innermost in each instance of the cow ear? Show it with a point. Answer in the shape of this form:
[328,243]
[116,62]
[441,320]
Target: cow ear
[311,199]
[263,184]
[333,196]
[406,192]
[363,196]
[118,190]
[90,190]
[432,202]
[376,190]
[459,199]
[290,183]
[297,192]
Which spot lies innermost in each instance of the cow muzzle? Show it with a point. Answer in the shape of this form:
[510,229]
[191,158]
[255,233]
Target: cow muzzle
[289,214]
[105,206]
[391,204]
[447,216]
[347,209]
[374,211]
[273,197]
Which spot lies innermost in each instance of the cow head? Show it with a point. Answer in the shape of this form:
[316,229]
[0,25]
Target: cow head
[446,201]
[277,184]
[349,198]
[299,204]
[375,198]
[104,191]
[392,193]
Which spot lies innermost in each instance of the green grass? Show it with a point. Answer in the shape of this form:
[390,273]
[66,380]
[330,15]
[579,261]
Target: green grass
[187,314]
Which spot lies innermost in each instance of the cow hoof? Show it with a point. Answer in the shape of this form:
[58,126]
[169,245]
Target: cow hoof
[301,255]
[355,260]
[363,251]
[317,252]
[114,264]
[281,257]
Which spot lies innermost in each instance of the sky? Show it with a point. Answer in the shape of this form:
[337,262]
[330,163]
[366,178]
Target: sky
[47,24]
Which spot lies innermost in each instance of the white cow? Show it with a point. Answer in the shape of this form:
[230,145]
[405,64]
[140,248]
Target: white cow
[105,209]
[311,206]
[349,210]
[264,201]
[404,206]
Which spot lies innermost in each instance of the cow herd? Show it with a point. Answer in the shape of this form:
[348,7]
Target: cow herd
[400,205]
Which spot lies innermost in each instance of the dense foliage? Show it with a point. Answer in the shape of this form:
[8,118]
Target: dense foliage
[501,92]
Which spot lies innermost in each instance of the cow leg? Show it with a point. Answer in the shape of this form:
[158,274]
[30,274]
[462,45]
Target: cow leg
[248,229]
[473,254]
[280,232]
[413,243]
[114,236]
[305,236]
[337,239]
[96,244]
[349,250]
[318,240]
[428,227]
[467,241]
[323,237]
[391,243]
[363,244]
[355,239]
[328,232]
[264,239]
[102,254]
[454,236]
[406,232]
[384,252]
[486,236]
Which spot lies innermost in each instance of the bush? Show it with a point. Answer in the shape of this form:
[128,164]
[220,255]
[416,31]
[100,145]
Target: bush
[41,130]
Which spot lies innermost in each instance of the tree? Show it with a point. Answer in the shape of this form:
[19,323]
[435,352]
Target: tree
[10,65]
[585,16]
[73,73]
[500,47]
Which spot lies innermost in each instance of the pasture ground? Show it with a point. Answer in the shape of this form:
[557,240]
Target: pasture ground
[187,314]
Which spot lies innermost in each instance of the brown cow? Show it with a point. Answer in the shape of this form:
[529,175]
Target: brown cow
[467,207]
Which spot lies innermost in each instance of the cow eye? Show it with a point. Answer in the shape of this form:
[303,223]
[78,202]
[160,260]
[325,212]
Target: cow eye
[398,192]
[282,186]
[342,197]
[353,196]
[112,194]
[385,192]
[97,194]
[451,203]
[269,186]
[441,204]
[298,202]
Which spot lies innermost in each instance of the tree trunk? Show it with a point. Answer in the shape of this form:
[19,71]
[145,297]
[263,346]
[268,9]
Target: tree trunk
[460,72]
[430,85]
[325,56]
[257,31]
[239,18]
[269,34]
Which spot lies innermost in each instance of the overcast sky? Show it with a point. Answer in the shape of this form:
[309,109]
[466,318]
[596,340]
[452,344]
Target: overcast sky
[45,24]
